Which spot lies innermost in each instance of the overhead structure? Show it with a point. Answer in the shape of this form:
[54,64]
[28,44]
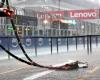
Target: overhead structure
[56,4]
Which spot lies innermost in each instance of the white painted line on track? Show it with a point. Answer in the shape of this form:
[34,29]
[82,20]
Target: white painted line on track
[38,75]
[13,70]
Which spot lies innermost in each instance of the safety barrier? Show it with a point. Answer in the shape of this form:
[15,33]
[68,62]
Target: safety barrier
[35,43]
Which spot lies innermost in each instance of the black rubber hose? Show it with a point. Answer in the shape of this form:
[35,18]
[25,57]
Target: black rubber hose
[14,55]
[20,59]
[15,31]
[26,62]
[2,3]
[32,62]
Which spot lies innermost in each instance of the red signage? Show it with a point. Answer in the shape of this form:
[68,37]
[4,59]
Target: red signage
[83,14]
[57,13]
[69,14]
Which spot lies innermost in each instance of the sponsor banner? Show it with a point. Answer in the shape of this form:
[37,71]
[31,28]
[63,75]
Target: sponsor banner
[72,14]
[83,14]
[50,15]
[55,15]
[14,43]
[28,42]
[40,42]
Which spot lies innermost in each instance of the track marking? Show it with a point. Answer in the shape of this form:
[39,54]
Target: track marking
[40,74]
[13,70]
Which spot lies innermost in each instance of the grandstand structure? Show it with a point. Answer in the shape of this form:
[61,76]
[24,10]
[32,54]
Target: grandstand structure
[49,18]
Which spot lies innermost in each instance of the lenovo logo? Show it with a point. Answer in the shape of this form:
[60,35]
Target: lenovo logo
[84,14]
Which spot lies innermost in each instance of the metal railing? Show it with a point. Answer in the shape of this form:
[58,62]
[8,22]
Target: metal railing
[36,42]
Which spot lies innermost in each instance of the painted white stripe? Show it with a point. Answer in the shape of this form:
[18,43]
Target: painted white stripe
[10,71]
[40,74]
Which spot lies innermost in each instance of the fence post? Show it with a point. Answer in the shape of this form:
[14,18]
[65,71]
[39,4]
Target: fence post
[96,41]
[67,44]
[87,44]
[90,44]
[35,41]
[76,42]
[57,44]
[84,42]
[51,45]
[8,47]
